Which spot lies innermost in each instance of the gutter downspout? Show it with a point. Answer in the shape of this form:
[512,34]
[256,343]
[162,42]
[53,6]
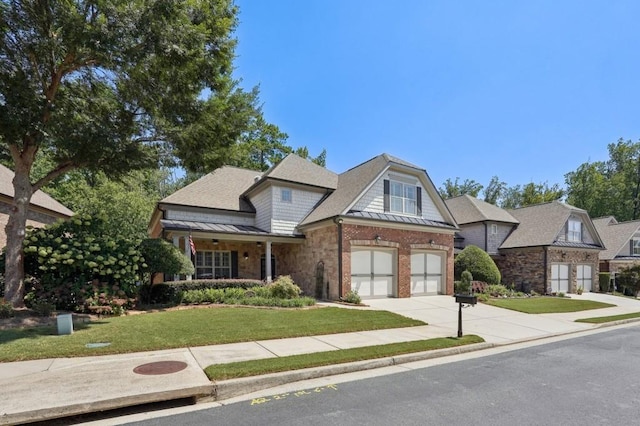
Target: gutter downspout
[546,263]
[338,222]
[486,237]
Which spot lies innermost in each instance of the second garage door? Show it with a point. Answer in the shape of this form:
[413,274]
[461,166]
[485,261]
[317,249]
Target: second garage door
[373,272]
[427,272]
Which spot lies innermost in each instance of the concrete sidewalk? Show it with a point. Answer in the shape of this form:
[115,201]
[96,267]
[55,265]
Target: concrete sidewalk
[47,389]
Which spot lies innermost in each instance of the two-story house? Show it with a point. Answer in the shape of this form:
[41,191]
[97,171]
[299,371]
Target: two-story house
[622,240]
[549,248]
[380,228]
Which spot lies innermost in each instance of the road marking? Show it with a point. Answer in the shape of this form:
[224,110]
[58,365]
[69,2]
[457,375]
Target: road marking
[297,394]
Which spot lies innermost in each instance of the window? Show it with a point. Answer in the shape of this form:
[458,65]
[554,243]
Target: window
[285,195]
[574,231]
[213,264]
[635,247]
[494,229]
[403,198]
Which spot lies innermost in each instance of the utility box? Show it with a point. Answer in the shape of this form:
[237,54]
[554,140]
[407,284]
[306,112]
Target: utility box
[65,323]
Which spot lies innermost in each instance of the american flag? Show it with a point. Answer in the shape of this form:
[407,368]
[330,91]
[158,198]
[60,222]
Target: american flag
[193,246]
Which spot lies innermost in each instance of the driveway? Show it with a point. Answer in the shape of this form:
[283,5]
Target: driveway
[497,325]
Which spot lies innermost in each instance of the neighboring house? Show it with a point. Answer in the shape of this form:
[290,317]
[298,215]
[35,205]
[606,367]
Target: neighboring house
[550,248]
[43,209]
[380,228]
[622,240]
[481,224]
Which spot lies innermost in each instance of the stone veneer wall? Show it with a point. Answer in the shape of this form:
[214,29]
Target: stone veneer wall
[403,241]
[525,267]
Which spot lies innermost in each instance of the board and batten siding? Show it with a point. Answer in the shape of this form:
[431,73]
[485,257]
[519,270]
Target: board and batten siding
[373,199]
[287,215]
[209,217]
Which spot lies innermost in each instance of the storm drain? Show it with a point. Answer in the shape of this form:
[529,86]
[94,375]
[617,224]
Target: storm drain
[160,367]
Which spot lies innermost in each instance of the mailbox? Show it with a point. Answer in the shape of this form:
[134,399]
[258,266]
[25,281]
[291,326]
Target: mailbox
[466,298]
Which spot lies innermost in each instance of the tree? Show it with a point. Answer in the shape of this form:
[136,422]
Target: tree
[477,262]
[450,189]
[609,187]
[494,191]
[112,87]
[532,193]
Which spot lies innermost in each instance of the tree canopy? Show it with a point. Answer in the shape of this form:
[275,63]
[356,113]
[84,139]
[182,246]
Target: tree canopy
[111,87]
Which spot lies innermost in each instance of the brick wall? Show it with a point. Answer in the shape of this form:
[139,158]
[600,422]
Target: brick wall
[526,267]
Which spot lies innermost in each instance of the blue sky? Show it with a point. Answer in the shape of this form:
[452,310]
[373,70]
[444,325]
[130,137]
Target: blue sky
[525,90]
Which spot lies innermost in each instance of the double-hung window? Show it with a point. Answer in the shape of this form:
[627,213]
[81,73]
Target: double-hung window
[403,198]
[574,231]
[635,247]
[213,264]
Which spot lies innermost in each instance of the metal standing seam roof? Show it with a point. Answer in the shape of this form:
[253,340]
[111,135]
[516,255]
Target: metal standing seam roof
[467,209]
[540,224]
[402,219]
[39,198]
[184,225]
[615,236]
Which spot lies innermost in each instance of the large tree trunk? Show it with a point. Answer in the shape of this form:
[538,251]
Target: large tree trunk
[15,229]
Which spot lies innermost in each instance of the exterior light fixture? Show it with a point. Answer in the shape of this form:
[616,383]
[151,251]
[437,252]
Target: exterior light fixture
[259,244]
[215,242]
[246,255]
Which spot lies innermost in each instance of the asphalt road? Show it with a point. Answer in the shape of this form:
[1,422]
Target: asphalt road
[590,380]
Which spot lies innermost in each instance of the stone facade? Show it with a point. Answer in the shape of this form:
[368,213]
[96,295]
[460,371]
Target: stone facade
[525,268]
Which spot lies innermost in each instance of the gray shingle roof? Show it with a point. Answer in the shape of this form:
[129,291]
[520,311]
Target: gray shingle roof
[615,235]
[220,189]
[468,209]
[350,185]
[540,224]
[39,198]
[296,169]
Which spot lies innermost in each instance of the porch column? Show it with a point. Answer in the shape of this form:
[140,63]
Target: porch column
[187,252]
[267,262]
[176,243]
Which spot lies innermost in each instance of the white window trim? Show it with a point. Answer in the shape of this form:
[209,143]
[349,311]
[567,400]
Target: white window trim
[403,198]
[635,245]
[213,268]
[494,229]
[572,234]
[286,195]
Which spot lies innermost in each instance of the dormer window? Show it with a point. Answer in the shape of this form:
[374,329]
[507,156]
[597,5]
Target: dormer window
[635,247]
[574,231]
[402,198]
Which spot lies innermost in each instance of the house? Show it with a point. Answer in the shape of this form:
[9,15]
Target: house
[481,224]
[549,248]
[380,228]
[622,240]
[43,209]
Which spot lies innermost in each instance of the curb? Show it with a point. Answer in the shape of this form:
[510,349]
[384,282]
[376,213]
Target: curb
[226,389]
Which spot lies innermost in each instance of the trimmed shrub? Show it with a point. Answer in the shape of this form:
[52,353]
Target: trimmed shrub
[629,280]
[6,309]
[162,256]
[352,296]
[284,288]
[478,263]
[604,281]
[465,282]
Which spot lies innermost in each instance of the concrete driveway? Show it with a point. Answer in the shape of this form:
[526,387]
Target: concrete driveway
[497,325]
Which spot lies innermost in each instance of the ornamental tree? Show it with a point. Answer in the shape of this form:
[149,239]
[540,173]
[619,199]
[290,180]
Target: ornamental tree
[476,261]
[113,86]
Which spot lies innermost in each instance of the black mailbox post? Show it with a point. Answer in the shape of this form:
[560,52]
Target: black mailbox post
[469,299]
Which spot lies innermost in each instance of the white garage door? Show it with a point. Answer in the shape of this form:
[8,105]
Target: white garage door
[559,278]
[584,277]
[373,272]
[427,275]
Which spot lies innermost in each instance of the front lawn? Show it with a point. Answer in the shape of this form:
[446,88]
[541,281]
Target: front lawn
[546,305]
[296,362]
[611,318]
[190,327]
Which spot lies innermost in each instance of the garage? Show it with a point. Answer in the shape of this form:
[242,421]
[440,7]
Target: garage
[584,277]
[427,275]
[559,278]
[373,272]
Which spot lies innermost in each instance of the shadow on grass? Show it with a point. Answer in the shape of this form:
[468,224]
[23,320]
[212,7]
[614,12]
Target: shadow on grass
[20,333]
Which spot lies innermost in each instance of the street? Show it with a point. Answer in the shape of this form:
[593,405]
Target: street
[585,380]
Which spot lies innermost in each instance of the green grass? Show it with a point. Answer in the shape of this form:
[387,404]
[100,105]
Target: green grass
[190,327]
[547,305]
[297,362]
[601,320]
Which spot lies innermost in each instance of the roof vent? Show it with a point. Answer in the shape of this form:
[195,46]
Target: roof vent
[257,178]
